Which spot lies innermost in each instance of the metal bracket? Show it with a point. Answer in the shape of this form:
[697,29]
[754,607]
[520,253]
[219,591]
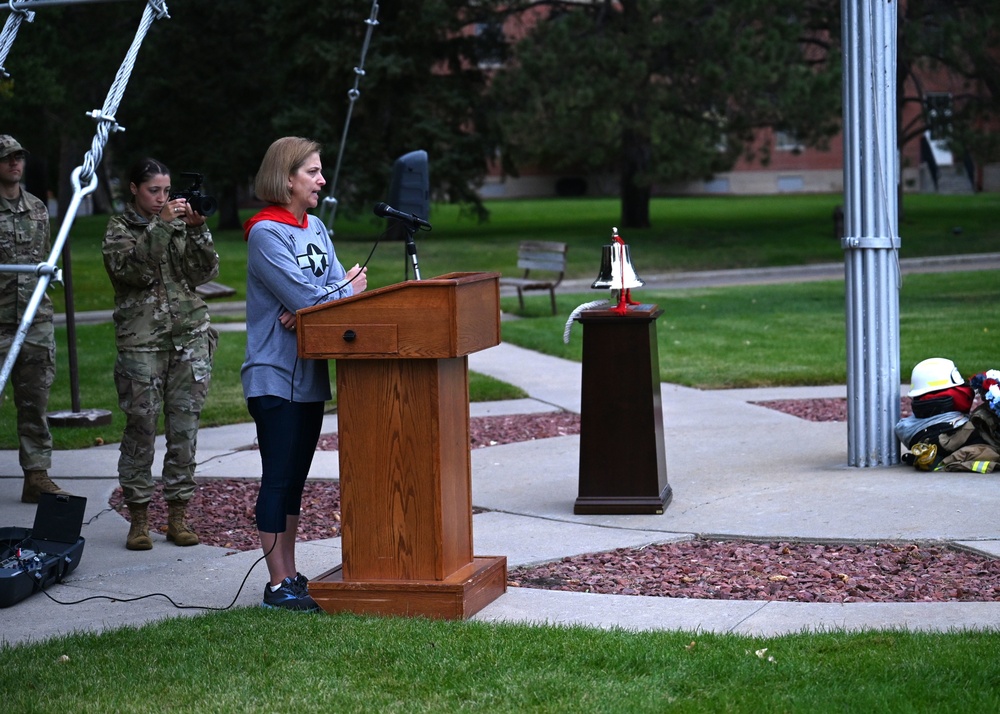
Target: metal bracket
[28,15]
[884,242]
[98,115]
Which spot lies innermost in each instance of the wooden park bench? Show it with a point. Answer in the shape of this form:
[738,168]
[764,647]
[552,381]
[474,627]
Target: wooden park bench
[213,290]
[534,257]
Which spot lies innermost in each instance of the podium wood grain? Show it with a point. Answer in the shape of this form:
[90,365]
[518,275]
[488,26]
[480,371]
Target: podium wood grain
[405,468]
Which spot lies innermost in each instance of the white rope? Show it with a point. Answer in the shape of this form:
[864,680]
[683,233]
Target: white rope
[576,313]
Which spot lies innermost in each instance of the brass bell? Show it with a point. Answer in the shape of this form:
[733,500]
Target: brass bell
[617,272]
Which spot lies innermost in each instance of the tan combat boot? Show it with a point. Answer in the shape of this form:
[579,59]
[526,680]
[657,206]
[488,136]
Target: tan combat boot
[138,532]
[37,483]
[177,528]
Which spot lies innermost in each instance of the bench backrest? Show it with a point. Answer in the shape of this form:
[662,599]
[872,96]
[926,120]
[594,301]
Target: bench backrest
[542,255]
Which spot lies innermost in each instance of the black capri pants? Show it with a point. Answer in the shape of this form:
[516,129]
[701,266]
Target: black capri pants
[287,435]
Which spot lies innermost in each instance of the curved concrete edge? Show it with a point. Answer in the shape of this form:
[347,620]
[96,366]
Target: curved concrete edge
[737,617]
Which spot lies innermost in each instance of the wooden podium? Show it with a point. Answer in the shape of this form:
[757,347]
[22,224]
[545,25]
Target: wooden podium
[405,468]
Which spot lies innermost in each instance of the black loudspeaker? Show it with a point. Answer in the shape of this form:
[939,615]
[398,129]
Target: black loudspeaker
[409,190]
[33,558]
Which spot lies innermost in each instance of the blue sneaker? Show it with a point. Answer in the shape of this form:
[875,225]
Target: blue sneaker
[288,596]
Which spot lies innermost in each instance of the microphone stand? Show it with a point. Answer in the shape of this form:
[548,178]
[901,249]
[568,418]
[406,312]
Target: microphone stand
[411,250]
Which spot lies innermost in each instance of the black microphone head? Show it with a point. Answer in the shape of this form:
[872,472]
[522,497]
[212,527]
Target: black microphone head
[380,209]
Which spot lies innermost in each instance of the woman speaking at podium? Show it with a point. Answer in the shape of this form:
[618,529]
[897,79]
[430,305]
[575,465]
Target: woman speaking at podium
[291,264]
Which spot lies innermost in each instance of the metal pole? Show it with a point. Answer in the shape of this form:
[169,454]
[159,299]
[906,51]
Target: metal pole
[74,371]
[871,242]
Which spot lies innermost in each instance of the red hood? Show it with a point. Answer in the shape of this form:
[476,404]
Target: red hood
[274,213]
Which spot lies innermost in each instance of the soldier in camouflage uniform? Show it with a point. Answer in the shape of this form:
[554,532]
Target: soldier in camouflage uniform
[24,239]
[156,252]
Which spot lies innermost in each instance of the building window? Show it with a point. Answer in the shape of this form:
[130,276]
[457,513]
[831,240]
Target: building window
[937,113]
[717,185]
[489,44]
[790,184]
[787,141]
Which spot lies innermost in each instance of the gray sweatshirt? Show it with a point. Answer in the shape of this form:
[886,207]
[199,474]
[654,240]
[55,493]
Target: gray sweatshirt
[288,268]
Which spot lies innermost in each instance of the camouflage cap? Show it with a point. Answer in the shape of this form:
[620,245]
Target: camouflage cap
[9,145]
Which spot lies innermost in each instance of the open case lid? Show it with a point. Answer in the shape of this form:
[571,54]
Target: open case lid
[59,517]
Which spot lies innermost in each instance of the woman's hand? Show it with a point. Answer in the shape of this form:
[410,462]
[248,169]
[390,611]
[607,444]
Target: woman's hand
[172,209]
[179,208]
[359,283]
[287,320]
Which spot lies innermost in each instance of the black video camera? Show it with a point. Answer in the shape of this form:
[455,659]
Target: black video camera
[199,202]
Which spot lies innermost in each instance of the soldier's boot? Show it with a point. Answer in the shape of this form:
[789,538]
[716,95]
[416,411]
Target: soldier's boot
[37,483]
[138,532]
[177,528]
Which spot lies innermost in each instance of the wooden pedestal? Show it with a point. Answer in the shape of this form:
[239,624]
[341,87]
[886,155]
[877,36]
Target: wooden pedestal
[623,466]
[405,467]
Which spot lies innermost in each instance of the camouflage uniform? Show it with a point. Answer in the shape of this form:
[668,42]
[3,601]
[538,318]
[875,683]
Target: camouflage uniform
[165,345]
[24,239]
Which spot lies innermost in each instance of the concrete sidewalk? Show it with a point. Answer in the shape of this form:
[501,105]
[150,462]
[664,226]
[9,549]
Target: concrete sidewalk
[736,469]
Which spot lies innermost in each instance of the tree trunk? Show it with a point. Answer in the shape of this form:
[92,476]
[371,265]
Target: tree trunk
[229,216]
[635,205]
[634,197]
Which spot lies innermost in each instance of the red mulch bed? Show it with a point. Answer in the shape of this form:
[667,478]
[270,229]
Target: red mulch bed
[222,513]
[793,572]
[822,409]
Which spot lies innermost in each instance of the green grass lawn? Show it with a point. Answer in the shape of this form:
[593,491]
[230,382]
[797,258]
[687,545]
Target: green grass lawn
[251,660]
[687,234]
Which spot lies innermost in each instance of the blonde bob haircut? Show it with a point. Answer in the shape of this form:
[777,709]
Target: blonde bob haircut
[283,158]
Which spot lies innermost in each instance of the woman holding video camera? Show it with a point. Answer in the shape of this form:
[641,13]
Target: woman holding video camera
[156,252]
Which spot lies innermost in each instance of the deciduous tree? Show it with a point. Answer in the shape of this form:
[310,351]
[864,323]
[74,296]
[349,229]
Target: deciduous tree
[659,91]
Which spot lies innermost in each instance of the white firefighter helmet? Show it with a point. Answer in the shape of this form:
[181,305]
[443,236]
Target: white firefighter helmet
[932,375]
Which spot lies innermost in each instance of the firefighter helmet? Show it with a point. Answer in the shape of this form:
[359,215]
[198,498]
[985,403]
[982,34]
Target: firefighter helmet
[934,374]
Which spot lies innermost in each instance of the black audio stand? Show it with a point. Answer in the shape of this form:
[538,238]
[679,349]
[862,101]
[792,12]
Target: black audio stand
[411,251]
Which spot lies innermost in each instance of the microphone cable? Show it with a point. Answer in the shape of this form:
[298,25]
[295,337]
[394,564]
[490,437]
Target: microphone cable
[321,298]
[164,595]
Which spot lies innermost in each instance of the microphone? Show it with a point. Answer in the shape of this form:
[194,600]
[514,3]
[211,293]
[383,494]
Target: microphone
[387,211]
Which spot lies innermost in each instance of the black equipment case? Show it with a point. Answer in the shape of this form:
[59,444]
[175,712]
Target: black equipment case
[31,559]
